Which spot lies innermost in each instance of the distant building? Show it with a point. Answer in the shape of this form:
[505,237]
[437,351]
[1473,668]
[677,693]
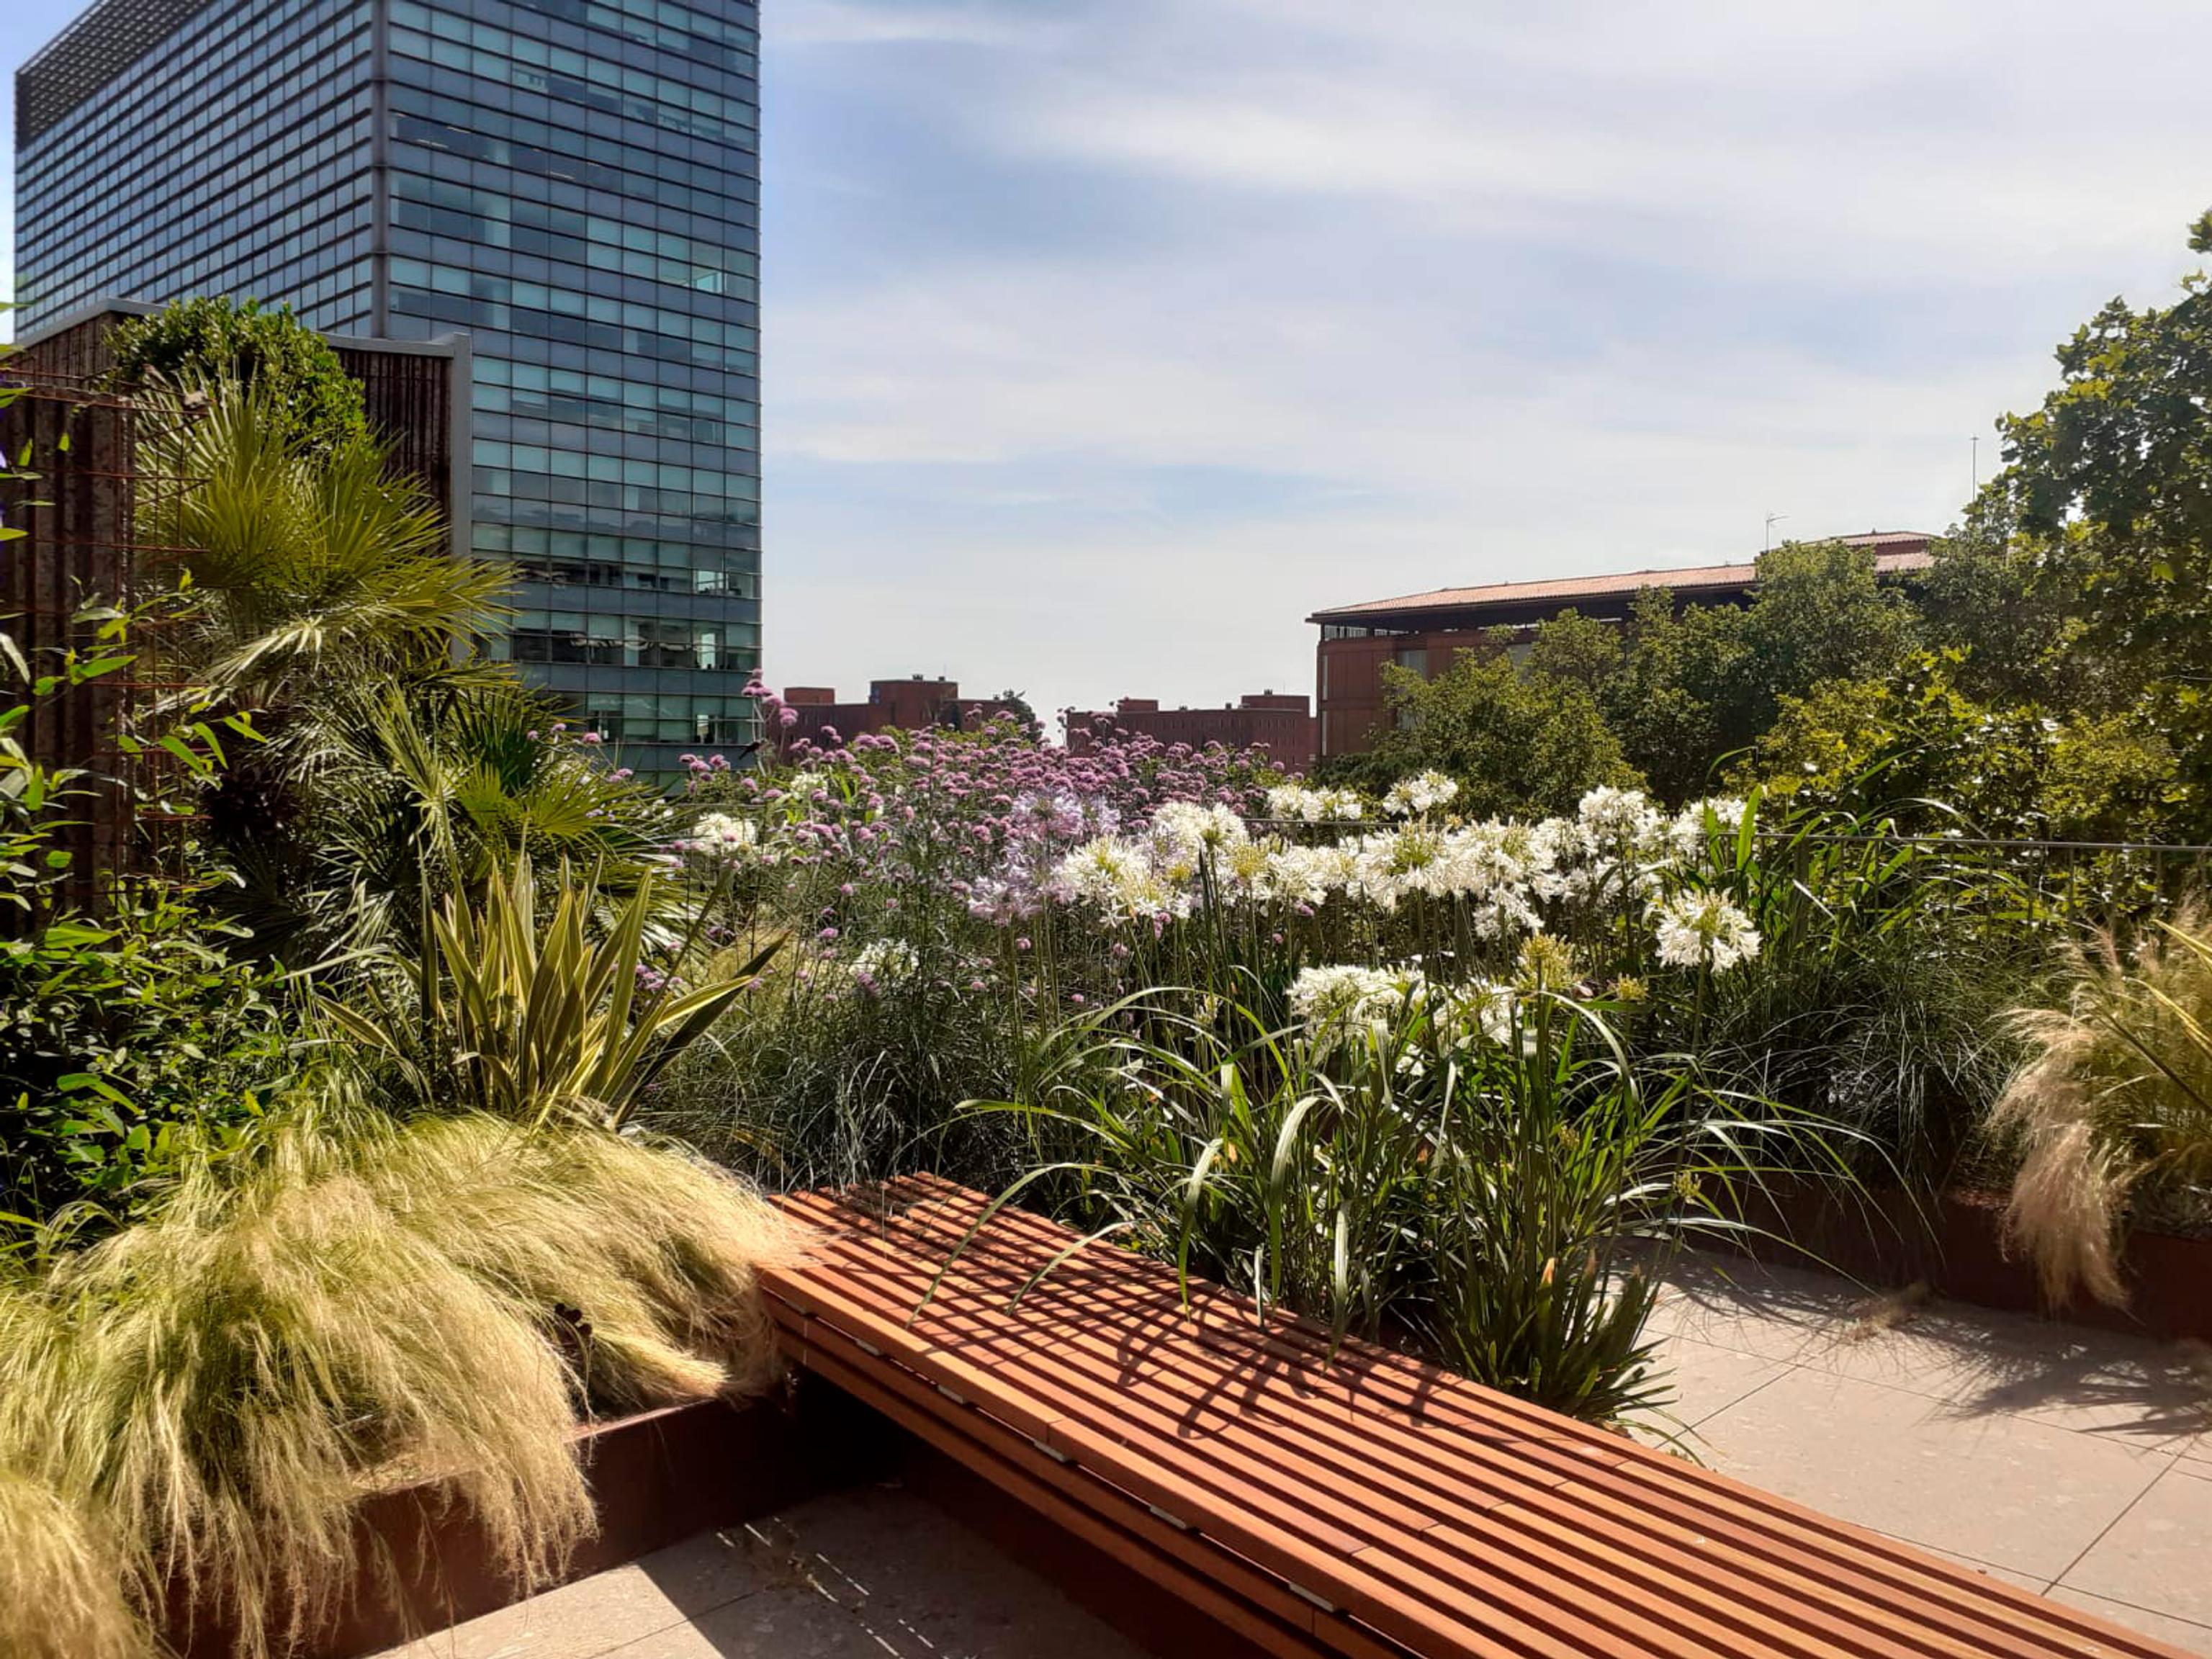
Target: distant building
[1283,724]
[908,705]
[1424,632]
[576,183]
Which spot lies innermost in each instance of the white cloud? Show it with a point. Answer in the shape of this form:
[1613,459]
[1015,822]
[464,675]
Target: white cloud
[1170,321]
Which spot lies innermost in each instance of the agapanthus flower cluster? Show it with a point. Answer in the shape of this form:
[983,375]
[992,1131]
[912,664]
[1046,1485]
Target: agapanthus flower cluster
[1297,803]
[724,837]
[1345,1003]
[1422,794]
[1116,875]
[885,960]
[1705,929]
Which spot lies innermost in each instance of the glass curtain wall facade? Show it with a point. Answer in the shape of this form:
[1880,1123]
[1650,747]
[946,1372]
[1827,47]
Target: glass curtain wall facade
[574,183]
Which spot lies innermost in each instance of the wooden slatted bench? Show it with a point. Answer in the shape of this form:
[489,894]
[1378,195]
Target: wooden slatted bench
[1363,1505]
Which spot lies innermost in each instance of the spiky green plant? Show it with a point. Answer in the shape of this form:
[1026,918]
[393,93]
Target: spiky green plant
[534,1022]
[2116,1096]
[1494,1196]
[362,1305]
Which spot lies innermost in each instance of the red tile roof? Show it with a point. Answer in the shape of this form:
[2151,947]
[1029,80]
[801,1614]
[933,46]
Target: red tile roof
[1896,550]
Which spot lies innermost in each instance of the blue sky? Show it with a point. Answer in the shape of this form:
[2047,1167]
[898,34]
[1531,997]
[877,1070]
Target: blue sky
[1104,342]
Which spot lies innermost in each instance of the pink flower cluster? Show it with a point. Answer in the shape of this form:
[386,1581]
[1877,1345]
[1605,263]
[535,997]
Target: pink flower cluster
[983,815]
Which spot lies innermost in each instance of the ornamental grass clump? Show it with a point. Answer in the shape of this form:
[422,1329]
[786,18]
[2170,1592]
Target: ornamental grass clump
[362,1306]
[2115,1098]
[62,1584]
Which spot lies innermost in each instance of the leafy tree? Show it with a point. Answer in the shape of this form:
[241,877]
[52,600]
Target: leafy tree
[1915,739]
[1684,687]
[191,345]
[130,1037]
[2105,500]
[1517,743]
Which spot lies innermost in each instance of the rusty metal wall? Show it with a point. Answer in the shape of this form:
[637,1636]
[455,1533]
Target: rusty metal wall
[71,487]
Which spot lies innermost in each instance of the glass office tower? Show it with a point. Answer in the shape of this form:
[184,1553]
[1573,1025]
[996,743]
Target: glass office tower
[574,183]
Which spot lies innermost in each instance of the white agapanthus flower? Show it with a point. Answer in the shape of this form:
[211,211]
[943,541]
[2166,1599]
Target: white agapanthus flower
[1418,795]
[1337,1002]
[1297,802]
[1695,823]
[1187,836]
[886,961]
[721,835]
[1312,875]
[1705,929]
[1410,858]
[1116,875]
[1612,819]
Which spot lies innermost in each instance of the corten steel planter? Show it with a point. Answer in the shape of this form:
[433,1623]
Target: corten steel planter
[656,1478]
[1955,1243]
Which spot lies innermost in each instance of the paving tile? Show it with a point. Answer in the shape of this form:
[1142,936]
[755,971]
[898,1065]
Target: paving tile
[2176,1633]
[2003,1490]
[2159,1555]
[778,1623]
[916,1575]
[1707,1379]
[2091,1381]
[858,1573]
[2017,1580]
[575,1621]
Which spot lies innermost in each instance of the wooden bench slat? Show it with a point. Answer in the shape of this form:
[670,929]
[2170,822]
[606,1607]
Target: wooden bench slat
[1801,1539]
[1453,1518]
[1423,1490]
[1354,1466]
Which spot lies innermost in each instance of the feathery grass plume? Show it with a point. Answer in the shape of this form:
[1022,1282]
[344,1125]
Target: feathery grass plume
[222,1384]
[62,1581]
[655,1249]
[2118,1092]
[364,1304]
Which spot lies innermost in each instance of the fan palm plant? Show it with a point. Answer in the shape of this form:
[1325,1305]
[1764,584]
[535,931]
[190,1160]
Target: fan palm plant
[314,567]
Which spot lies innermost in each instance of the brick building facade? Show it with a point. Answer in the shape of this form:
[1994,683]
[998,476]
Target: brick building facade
[1424,632]
[1282,724]
[908,705]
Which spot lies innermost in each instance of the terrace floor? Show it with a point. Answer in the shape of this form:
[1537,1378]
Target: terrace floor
[2074,1462]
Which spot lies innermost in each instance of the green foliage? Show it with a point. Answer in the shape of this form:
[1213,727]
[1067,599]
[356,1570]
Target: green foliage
[1497,1194]
[1877,999]
[1516,744]
[2102,518]
[1683,686]
[2012,771]
[193,344]
[536,1021]
[314,569]
[130,1037]
[2115,1095]
[435,783]
[209,1395]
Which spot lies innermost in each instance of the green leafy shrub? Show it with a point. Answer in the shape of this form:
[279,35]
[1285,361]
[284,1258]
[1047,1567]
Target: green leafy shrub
[535,1021]
[1485,1175]
[132,1032]
[189,344]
